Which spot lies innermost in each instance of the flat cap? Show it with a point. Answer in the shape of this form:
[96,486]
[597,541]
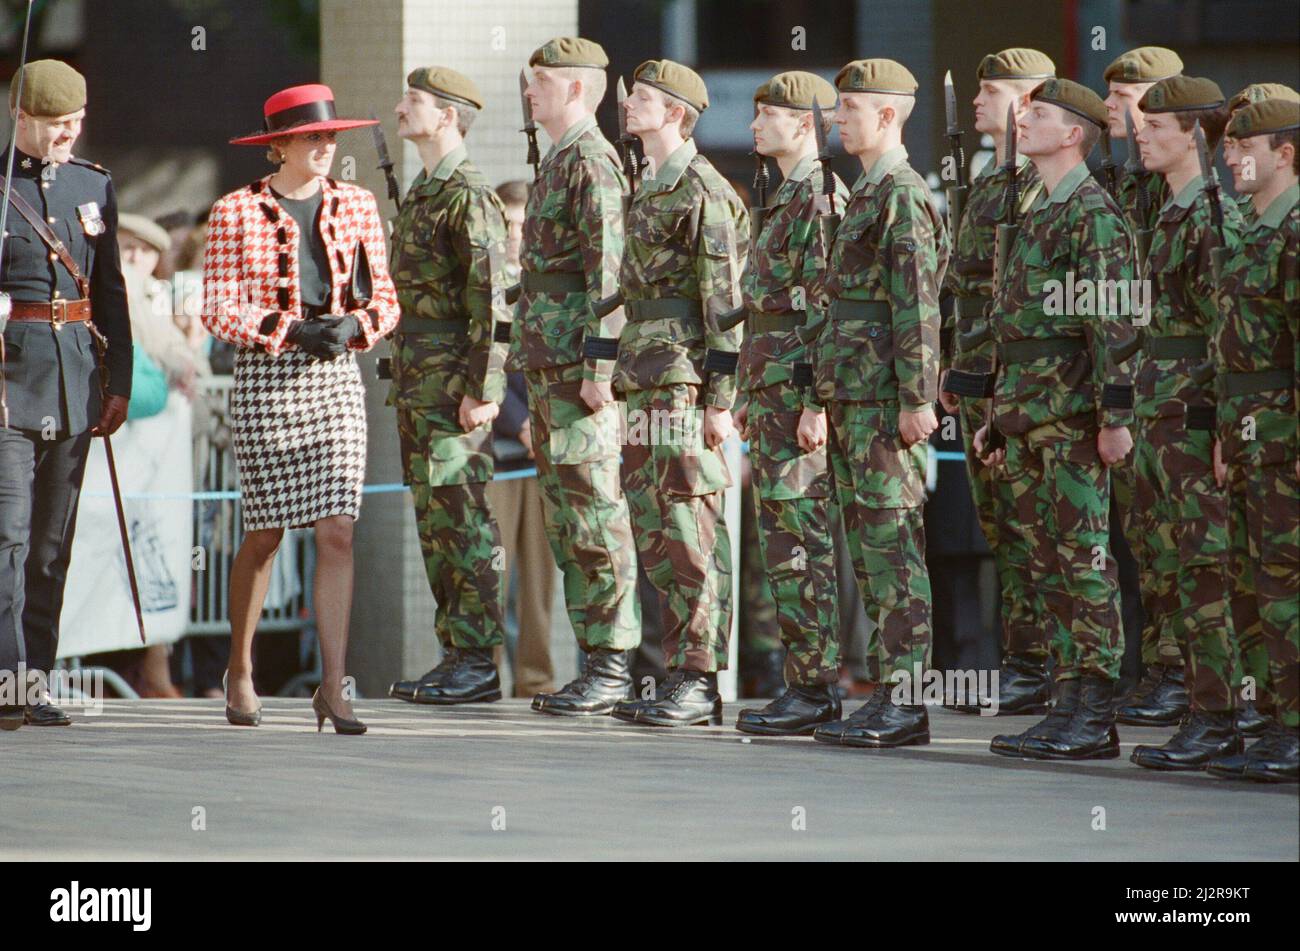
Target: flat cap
[1072,97]
[145,229]
[675,79]
[1018,62]
[570,51]
[1182,94]
[50,88]
[796,90]
[876,75]
[1146,64]
[446,83]
[1264,118]
[1258,92]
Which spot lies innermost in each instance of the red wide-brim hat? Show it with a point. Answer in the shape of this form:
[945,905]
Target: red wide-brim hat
[298,110]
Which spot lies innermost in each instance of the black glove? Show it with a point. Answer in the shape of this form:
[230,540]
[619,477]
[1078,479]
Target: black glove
[316,338]
[341,328]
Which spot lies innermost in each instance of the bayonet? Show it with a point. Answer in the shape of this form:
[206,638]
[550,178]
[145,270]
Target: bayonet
[758,211]
[954,131]
[1108,165]
[626,141]
[1210,180]
[829,220]
[1133,166]
[530,127]
[386,164]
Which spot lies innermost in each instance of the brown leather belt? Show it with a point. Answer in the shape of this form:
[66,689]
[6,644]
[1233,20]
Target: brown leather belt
[56,312]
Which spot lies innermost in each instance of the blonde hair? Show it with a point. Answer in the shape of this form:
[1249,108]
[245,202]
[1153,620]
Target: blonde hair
[593,83]
[902,105]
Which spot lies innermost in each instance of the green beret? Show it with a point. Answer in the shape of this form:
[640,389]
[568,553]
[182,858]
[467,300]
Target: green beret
[1073,97]
[1258,92]
[795,90]
[570,51]
[446,83]
[147,230]
[1016,63]
[1181,94]
[1146,64]
[876,75]
[1264,118]
[675,79]
[50,88]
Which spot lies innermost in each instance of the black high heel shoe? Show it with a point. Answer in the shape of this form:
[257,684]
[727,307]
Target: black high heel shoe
[341,724]
[238,717]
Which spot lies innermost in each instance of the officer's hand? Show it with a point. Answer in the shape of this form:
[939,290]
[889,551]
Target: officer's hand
[111,416]
[811,433]
[1113,444]
[526,437]
[1221,468]
[914,427]
[741,418]
[717,426]
[475,413]
[948,401]
[980,440]
[596,395]
[315,338]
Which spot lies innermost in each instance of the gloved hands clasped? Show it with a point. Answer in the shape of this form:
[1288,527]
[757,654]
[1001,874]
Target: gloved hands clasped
[324,337]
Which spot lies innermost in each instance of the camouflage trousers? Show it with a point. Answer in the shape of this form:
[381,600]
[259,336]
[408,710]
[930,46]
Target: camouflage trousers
[757,624]
[1183,518]
[794,503]
[586,512]
[1060,536]
[1159,646]
[1023,610]
[447,470]
[1264,512]
[881,487]
[674,487]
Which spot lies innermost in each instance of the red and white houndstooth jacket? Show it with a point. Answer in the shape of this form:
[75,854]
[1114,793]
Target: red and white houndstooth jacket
[250,265]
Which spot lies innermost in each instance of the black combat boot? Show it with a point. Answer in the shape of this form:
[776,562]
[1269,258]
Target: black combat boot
[472,679]
[1273,758]
[606,679]
[405,689]
[1202,737]
[1250,722]
[686,698]
[1067,698]
[1160,699]
[879,724]
[797,712]
[1024,688]
[1089,733]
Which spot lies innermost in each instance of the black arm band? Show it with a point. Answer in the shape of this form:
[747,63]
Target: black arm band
[802,375]
[976,385]
[720,361]
[600,348]
[501,331]
[1114,396]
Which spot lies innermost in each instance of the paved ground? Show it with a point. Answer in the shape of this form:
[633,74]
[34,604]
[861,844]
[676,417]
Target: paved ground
[430,783]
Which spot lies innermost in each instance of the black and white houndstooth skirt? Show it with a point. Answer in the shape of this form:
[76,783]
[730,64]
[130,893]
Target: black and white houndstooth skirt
[300,437]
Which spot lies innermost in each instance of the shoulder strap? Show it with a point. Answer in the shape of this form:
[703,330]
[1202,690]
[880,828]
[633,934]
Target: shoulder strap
[49,237]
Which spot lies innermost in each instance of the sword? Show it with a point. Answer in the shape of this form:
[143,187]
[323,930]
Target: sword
[530,127]
[386,164]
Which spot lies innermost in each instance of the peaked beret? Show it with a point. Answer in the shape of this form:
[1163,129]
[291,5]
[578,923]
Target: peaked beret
[1264,118]
[1182,94]
[50,88]
[1016,63]
[570,51]
[1146,64]
[446,83]
[675,79]
[876,75]
[1073,97]
[796,90]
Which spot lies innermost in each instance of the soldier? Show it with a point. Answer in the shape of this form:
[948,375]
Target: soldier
[876,366]
[571,251]
[1160,699]
[1064,407]
[1005,78]
[1255,92]
[686,240]
[448,358]
[1182,513]
[793,492]
[62,271]
[1257,456]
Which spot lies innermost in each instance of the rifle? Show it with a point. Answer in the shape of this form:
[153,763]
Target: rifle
[1008,229]
[530,127]
[758,211]
[1108,165]
[1133,166]
[829,220]
[386,164]
[1204,373]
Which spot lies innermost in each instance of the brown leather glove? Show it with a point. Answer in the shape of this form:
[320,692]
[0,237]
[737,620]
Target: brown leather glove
[111,416]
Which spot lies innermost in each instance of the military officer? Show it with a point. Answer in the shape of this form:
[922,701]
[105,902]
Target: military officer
[793,491]
[571,251]
[876,370]
[448,359]
[1258,450]
[63,276]
[1182,512]
[1005,79]
[1064,407]
[686,244]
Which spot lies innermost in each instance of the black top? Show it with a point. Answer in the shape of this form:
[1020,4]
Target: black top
[313,260]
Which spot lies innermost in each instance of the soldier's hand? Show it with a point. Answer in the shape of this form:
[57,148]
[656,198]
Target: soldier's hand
[111,416]
[1221,468]
[596,395]
[1113,444]
[980,440]
[526,437]
[741,418]
[717,426]
[812,430]
[947,400]
[917,426]
[475,413]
